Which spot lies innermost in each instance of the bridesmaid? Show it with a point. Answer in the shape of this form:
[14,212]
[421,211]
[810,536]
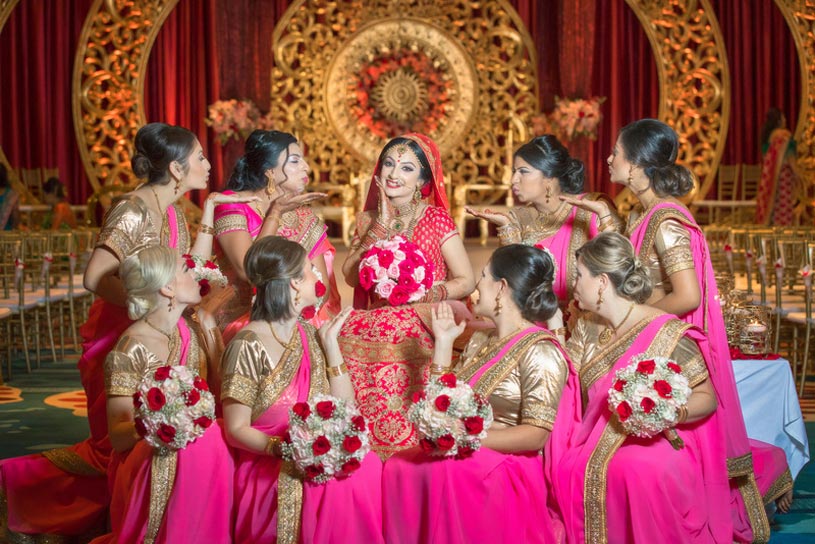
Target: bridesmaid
[153,496]
[499,494]
[271,364]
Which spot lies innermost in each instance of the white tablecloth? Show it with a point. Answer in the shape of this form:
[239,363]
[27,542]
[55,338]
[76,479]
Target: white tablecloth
[771,410]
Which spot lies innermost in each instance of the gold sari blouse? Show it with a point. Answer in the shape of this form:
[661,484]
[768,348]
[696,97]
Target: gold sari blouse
[669,253]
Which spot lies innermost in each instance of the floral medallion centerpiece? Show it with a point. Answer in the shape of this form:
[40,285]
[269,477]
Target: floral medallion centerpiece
[397,271]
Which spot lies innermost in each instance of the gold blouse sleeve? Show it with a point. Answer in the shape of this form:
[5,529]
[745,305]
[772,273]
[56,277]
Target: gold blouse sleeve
[125,366]
[672,244]
[244,366]
[230,222]
[543,373]
[125,227]
[687,354]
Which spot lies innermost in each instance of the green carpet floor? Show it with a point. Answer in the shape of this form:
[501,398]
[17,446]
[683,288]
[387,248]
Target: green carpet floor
[31,425]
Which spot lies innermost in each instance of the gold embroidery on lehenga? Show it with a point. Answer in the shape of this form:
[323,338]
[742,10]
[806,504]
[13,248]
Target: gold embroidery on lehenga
[162,479]
[782,485]
[748,488]
[69,461]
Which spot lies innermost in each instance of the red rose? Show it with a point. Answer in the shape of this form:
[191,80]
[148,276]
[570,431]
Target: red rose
[416,258]
[624,410]
[189,262]
[446,442]
[140,428]
[427,445]
[192,397]
[200,383]
[325,409]
[204,287]
[211,265]
[137,403]
[399,296]
[418,396]
[166,433]
[675,367]
[162,373]
[321,445]
[442,403]
[155,399]
[366,277]
[406,267]
[448,379]
[664,389]
[351,465]
[385,258]
[204,422]
[464,452]
[619,384]
[313,471]
[408,283]
[359,423]
[428,278]
[319,289]
[351,444]
[308,312]
[473,425]
[647,405]
[301,409]
[646,367]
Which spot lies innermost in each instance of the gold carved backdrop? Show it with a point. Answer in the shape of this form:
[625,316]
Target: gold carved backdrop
[350,75]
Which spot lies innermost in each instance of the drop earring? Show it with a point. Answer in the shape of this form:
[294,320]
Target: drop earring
[296,299]
[417,194]
[599,297]
[498,305]
[548,194]
[172,303]
[177,186]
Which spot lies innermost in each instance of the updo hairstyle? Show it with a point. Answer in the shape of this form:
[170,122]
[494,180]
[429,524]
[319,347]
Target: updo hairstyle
[270,264]
[425,172]
[529,272]
[263,150]
[653,146]
[547,154]
[612,254]
[158,145]
[144,274]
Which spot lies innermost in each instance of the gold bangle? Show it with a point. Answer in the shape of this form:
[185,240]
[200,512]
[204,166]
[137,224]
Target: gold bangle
[560,332]
[337,371]
[683,414]
[206,229]
[272,444]
[436,370]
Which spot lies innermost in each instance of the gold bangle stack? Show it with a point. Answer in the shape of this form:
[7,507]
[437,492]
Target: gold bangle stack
[437,370]
[272,444]
[682,414]
[206,229]
[337,371]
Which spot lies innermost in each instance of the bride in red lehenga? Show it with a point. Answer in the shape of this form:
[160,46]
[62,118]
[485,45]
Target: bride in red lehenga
[388,348]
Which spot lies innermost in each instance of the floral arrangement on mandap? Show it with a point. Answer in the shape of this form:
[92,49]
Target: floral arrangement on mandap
[646,396]
[451,419]
[206,273]
[396,270]
[327,438]
[235,119]
[571,118]
[173,408]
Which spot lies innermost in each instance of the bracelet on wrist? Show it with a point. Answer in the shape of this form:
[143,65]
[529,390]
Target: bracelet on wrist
[271,445]
[206,229]
[337,371]
[438,370]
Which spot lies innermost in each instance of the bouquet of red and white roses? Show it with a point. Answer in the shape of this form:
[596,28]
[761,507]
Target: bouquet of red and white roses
[327,438]
[450,417]
[646,396]
[173,407]
[206,273]
[396,270]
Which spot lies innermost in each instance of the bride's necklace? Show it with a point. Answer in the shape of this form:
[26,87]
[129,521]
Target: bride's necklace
[404,215]
[286,345]
[609,332]
[172,338]
[548,220]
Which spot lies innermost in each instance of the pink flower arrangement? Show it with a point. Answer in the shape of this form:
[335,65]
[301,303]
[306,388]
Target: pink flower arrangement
[397,271]
[451,419]
[206,272]
[571,118]
[173,408]
[327,438]
[236,119]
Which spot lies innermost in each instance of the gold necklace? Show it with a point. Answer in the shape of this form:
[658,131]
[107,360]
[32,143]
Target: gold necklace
[408,210]
[611,330]
[547,221]
[172,338]
[286,345]
[162,214]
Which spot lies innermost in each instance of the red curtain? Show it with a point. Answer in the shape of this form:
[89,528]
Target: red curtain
[37,47]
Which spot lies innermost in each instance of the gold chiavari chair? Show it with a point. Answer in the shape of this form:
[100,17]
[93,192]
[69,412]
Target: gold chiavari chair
[804,319]
[38,264]
[61,251]
[718,238]
[22,308]
[789,296]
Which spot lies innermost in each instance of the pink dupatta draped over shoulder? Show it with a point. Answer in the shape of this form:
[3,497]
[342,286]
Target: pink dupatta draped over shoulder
[744,455]
[610,487]
[487,497]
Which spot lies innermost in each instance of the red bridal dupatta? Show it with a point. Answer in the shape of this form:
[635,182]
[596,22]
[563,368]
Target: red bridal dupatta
[743,454]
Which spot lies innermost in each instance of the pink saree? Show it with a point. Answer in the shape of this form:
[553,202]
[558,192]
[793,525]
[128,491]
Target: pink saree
[751,488]
[272,504]
[301,226]
[488,497]
[610,487]
[153,496]
[77,474]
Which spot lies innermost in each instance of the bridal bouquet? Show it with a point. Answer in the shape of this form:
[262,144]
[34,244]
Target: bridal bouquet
[396,270]
[173,407]
[646,395]
[450,417]
[206,273]
[327,438]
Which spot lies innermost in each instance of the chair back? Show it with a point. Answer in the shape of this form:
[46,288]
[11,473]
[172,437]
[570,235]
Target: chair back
[750,179]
